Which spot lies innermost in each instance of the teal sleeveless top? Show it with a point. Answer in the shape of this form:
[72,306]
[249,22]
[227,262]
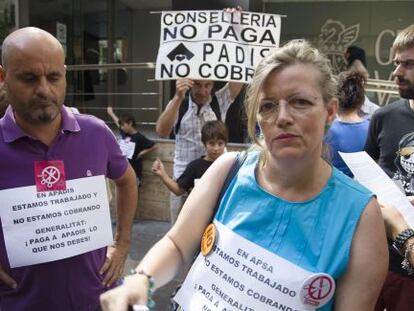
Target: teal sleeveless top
[315,235]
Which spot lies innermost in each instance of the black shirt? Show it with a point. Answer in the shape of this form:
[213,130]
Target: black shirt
[194,170]
[141,143]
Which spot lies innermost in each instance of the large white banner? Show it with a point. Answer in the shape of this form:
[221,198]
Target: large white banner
[214,45]
[45,226]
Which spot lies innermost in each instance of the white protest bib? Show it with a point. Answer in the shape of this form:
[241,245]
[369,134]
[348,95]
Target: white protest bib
[127,147]
[46,226]
[240,275]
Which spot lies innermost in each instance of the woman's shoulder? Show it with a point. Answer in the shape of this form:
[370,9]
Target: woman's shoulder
[346,184]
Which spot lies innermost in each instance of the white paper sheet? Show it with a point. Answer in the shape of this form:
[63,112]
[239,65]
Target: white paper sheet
[369,174]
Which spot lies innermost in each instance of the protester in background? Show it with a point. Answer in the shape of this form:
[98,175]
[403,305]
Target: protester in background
[137,144]
[185,115]
[356,62]
[285,199]
[37,130]
[348,132]
[214,136]
[390,142]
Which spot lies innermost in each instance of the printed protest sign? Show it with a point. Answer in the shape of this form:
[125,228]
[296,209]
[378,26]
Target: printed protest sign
[46,226]
[214,45]
[240,275]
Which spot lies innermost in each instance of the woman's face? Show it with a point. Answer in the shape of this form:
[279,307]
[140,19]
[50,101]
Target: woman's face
[292,113]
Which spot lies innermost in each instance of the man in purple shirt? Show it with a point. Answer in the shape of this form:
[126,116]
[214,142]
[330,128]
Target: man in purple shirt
[37,128]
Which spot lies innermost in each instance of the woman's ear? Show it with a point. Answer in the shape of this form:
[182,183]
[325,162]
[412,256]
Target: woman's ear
[332,108]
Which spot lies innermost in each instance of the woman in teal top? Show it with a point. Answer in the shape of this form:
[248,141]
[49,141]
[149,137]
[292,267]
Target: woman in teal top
[286,198]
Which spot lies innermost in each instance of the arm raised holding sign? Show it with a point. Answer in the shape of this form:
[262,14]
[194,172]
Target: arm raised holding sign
[167,119]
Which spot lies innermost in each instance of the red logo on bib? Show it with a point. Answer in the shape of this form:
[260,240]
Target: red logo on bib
[50,175]
[317,290]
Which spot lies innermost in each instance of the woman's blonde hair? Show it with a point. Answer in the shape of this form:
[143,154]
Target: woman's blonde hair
[294,52]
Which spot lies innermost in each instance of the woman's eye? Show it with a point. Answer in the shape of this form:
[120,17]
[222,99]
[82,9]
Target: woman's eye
[266,106]
[300,103]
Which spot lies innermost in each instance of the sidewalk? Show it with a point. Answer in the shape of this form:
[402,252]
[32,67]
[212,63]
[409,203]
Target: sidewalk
[144,236]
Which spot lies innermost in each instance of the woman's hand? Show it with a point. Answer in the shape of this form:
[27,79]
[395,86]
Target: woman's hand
[134,291]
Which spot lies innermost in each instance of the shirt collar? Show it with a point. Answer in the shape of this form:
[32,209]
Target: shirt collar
[194,105]
[11,131]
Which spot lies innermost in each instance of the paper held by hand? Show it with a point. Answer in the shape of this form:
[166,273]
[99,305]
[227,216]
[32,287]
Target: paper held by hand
[367,172]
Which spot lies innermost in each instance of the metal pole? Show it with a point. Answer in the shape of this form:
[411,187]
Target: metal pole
[110,52]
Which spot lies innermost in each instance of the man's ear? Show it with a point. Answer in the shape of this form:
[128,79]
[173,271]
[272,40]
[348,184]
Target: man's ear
[332,109]
[2,74]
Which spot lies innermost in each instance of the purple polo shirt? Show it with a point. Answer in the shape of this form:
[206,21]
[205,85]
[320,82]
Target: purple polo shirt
[87,146]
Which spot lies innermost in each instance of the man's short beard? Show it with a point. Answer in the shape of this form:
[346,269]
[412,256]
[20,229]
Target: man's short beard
[45,118]
[41,119]
[407,93]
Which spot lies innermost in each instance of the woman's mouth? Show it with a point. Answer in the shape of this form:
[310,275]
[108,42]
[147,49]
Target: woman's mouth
[285,136]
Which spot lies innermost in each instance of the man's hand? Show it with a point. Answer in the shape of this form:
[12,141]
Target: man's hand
[114,263]
[182,86]
[393,220]
[233,10]
[6,279]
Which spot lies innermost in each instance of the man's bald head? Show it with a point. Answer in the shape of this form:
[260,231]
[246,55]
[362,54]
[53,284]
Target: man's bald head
[27,38]
[34,76]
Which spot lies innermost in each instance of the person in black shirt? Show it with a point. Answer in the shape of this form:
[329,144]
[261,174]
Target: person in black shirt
[389,142]
[214,136]
[133,144]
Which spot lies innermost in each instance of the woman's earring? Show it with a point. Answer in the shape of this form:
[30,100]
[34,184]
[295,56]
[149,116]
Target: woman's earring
[327,126]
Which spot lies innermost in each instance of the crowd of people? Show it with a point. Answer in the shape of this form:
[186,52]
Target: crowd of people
[286,201]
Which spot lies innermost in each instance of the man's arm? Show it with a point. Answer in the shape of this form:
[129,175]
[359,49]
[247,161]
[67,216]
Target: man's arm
[235,89]
[360,286]
[227,95]
[395,224]
[167,118]
[127,196]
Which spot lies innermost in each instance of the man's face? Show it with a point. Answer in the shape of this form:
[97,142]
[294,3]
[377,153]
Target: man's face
[201,91]
[35,81]
[404,72]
